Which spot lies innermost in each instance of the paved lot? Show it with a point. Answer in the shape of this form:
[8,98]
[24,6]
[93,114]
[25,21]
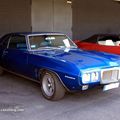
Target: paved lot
[26,95]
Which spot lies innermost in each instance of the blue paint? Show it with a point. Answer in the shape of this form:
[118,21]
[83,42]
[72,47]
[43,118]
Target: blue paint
[71,63]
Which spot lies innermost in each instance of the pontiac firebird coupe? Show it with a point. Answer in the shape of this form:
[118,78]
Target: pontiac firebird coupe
[53,60]
[109,43]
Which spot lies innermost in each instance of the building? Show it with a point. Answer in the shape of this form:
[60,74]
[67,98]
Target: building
[77,18]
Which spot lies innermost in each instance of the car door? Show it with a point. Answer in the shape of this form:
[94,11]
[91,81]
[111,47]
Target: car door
[16,55]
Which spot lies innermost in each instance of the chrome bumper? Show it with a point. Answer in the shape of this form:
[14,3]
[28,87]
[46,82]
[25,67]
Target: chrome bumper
[110,75]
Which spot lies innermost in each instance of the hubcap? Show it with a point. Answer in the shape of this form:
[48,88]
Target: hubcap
[48,85]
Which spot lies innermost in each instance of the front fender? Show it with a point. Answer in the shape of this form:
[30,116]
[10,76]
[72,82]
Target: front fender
[67,72]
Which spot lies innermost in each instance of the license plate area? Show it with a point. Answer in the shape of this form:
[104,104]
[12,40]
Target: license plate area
[111,86]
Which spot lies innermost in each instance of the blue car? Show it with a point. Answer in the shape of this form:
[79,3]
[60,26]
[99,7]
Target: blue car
[54,61]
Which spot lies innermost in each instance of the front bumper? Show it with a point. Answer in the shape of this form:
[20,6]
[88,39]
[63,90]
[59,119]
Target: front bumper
[109,79]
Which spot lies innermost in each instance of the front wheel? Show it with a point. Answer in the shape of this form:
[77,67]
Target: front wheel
[51,87]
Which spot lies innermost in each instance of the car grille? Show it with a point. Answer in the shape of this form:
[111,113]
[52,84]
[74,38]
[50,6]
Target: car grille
[110,76]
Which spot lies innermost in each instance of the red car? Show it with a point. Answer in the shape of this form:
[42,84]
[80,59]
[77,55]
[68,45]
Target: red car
[101,42]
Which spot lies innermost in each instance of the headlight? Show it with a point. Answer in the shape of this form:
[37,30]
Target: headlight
[86,78]
[90,77]
[94,76]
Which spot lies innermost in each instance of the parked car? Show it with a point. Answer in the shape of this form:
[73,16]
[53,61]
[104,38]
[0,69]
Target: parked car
[54,61]
[109,43]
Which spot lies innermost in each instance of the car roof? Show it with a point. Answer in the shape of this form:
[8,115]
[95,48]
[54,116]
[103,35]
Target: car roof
[36,33]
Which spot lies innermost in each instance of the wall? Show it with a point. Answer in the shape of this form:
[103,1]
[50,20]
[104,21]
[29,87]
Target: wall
[89,16]
[95,16]
[15,15]
[52,16]
[42,12]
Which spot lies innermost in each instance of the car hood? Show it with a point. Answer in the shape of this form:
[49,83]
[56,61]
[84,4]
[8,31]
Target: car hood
[83,59]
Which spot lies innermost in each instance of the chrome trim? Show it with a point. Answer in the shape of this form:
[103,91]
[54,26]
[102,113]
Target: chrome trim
[110,69]
[48,85]
[45,34]
[70,77]
[8,42]
[107,69]
[27,42]
[71,41]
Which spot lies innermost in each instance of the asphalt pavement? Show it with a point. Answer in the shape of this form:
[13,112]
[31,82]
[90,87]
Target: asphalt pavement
[21,99]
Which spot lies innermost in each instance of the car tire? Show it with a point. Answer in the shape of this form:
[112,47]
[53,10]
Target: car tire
[51,87]
[1,71]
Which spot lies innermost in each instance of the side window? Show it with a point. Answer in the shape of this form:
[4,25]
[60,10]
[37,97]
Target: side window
[4,41]
[18,42]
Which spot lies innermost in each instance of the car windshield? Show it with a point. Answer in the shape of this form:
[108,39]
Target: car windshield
[50,41]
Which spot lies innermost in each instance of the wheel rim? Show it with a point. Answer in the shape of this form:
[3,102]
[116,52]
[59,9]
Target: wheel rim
[48,85]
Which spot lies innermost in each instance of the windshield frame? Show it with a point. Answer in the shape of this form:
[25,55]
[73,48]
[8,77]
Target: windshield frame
[43,48]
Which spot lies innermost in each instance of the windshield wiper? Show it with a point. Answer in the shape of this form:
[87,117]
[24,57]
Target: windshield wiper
[67,47]
[73,47]
[47,48]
